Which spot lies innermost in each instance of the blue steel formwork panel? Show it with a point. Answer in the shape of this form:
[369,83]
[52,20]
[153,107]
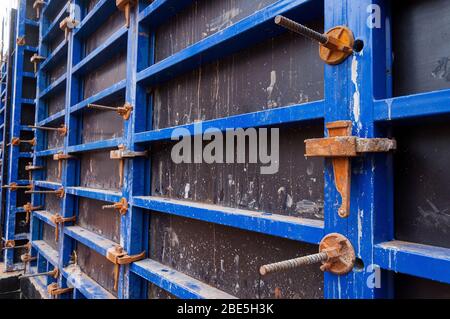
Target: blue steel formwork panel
[349,94]
[22,104]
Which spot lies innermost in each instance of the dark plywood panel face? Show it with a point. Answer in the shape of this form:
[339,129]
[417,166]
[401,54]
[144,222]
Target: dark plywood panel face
[96,267]
[32,35]
[229,259]
[422,207]
[26,147]
[48,235]
[296,190]
[105,223]
[27,115]
[54,140]
[99,171]
[22,226]
[113,71]
[27,65]
[29,11]
[29,88]
[19,252]
[100,125]
[407,287]
[52,170]
[54,43]
[56,103]
[200,20]
[421,42]
[57,71]
[114,23]
[22,198]
[52,204]
[279,72]
[23,163]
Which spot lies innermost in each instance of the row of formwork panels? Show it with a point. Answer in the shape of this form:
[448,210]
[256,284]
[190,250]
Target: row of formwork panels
[118,218]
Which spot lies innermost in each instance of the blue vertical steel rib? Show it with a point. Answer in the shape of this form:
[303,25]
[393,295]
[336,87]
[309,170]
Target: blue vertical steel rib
[16,129]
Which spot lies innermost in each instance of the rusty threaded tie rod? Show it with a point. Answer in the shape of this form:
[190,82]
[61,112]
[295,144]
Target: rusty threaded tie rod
[301,29]
[293,263]
[54,273]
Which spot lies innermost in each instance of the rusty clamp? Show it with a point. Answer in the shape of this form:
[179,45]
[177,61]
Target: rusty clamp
[341,146]
[125,6]
[54,290]
[118,256]
[59,220]
[121,206]
[20,41]
[67,25]
[37,5]
[336,254]
[36,59]
[122,154]
[60,157]
[336,45]
[28,208]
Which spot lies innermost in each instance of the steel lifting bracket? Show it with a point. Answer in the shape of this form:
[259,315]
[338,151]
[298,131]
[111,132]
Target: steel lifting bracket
[336,254]
[67,25]
[336,45]
[118,256]
[60,157]
[54,290]
[122,154]
[341,146]
[125,6]
[121,206]
[36,59]
[59,220]
[37,5]
[28,208]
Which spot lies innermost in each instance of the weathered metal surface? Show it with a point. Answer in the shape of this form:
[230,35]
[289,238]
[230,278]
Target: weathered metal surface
[296,190]
[99,171]
[279,72]
[51,169]
[422,202]
[101,125]
[96,267]
[200,20]
[48,235]
[229,259]
[105,223]
[421,33]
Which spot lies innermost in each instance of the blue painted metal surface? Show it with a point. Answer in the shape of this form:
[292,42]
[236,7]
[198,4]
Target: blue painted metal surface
[350,89]
[16,128]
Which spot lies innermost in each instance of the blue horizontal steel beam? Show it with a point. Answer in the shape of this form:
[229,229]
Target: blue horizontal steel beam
[57,55]
[89,239]
[413,106]
[46,251]
[102,10]
[114,90]
[57,85]
[300,229]
[101,195]
[251,30]
[115,44]
[53,118]
[159,11]
[414,259]
[88,287]
[176,283]
[48,153]
[95,146]
[289,114]
[44,216]
[47,185]
[53,28]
